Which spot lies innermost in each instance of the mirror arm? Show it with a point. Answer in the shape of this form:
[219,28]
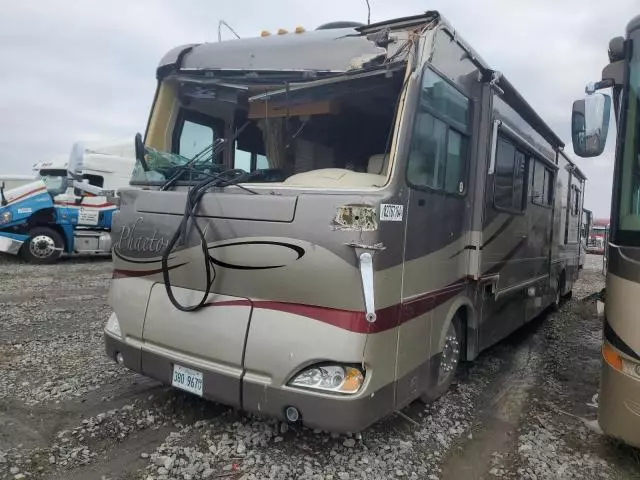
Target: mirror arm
[140,150]
[3,199]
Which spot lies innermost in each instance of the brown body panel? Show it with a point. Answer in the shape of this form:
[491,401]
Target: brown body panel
[290,289]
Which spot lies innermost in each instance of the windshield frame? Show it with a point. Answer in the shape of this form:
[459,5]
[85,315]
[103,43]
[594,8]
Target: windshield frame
[627,151]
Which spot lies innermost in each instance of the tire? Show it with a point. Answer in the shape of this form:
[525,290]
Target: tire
[44,246]
[557,302]
[449,361]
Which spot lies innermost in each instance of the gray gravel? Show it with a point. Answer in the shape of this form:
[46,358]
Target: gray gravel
[67,412]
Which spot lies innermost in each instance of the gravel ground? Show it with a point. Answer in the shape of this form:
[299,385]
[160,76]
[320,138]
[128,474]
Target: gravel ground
[524,409]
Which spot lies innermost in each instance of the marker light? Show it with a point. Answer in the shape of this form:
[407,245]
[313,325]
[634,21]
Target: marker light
[5,217]
[612,357]
[330,378]
[282,31]
[299,29]
[265,33]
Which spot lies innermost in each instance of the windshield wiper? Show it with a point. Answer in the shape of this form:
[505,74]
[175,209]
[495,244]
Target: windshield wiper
[210,152]
[213,148]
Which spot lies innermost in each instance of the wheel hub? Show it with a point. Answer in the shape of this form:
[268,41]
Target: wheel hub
[42,246]
[450,354]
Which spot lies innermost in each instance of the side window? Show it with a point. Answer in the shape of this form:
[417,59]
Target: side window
[95,180]
[509,181]
[194,138]
[538,183]
[542,188]
[575,206]
[438,150]
[548,185]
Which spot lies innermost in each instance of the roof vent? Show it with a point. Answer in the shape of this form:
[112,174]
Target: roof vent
[339,24]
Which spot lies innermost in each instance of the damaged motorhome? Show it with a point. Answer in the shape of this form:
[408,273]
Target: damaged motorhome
[323,224]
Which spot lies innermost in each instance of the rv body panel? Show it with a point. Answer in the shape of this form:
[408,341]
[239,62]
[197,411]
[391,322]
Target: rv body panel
[459,235]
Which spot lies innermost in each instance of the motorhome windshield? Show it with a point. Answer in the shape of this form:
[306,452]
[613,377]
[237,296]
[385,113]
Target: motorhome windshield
[55,180]
[328,133]
[629,178]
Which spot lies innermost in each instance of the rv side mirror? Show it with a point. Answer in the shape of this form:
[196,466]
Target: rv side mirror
[140,152]
[590,124]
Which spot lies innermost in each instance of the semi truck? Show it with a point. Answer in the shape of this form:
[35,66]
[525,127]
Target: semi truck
[65,209]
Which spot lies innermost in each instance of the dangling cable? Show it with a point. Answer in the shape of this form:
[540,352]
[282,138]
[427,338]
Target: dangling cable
[192,203]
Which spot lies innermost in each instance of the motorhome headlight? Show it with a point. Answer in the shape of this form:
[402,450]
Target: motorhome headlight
[631,368]
[329,378]
[113,326]
[5,217]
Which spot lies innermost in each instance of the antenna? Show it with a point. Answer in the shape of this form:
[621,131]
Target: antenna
[368,12]
[220,24]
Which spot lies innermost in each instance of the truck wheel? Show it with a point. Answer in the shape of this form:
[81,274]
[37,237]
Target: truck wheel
[557,301]
[449,361]
[43,246]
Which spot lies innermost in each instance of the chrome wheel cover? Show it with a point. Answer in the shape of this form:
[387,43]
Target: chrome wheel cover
[42,246]
[450,355]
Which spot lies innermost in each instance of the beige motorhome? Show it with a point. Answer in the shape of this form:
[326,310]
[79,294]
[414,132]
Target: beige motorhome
[323,224]
[619,399]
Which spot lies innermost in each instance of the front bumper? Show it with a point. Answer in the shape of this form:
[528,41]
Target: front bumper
[327,412]
[10,243]
[619,406]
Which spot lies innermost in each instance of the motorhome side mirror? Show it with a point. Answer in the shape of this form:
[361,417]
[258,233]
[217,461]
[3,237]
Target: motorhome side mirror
[590,124]
[140,152]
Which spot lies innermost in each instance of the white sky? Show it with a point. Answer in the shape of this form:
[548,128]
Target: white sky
[85,70]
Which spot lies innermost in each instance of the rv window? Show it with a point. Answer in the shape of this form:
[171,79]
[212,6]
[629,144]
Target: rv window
[548,185]
[438,145]
[194,138]
[542,184]
[95,180]
[575,205]
[509,184]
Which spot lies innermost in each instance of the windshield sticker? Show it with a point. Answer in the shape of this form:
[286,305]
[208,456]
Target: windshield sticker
[391,213]
[25,210]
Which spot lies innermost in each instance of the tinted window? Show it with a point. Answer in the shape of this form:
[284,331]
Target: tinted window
[509,179]
[95,180]
[194,138]
[440,96]
[437,154]
[548,182]
[542,187]
[537,190]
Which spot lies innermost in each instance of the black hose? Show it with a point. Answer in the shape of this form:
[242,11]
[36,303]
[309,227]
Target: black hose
[194,196]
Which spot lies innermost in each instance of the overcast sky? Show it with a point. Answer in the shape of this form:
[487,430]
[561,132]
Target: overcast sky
[85,70]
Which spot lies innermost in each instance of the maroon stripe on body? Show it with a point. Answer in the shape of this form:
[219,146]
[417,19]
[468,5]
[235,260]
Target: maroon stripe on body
[354,321]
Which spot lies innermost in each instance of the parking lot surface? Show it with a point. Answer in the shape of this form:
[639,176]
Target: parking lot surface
[525,409]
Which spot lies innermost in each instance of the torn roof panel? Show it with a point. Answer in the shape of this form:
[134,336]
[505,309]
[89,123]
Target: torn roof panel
[319,50]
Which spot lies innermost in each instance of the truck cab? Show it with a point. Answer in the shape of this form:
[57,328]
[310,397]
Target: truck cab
[66,208]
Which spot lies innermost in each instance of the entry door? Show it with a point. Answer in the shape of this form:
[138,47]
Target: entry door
[436,174]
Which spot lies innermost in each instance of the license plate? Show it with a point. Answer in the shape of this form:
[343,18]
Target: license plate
[187,379]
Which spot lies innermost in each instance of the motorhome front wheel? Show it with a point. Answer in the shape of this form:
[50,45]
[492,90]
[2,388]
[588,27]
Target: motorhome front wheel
[43,246]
